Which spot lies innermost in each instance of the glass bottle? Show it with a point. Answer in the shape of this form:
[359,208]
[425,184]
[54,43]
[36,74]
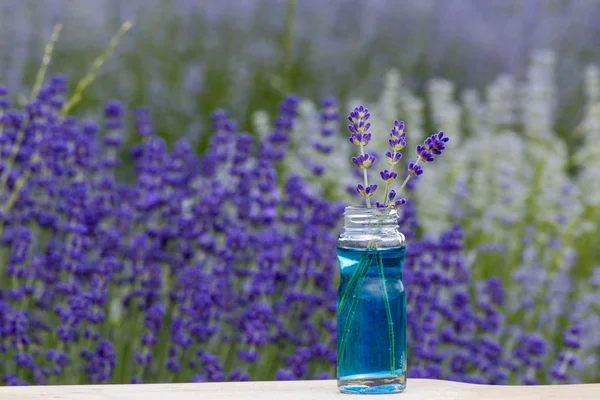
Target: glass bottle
[371,304]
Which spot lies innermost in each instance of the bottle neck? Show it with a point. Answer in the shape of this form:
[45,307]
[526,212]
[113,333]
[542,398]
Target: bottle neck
[370,228]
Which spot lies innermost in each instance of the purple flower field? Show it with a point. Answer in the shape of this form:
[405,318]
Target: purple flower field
[131,254]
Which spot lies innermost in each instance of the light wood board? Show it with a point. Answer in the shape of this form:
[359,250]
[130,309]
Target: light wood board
[421,389]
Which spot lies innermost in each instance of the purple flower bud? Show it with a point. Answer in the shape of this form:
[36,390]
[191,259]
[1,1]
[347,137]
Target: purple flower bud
[4,103]
[361,127]
[248,355]
[328,102]
[356,139]
[361,190]
[571,341]
[423,154]
[143,123]
[23,360]
[414,169]
[398,128]
[238,376]
[363,161]
[388,176]
[173,365]
[557,372]
[370,191]
[392,158]
[397,144]
[359,114]
[113,109]
[58,84]
[285,375]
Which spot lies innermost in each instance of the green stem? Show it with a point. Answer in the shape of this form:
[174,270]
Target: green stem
[96,65]
[36,88]
[406,180]
[385,194]
[81,86]
[353,307]
[388,312]
[290,11]
[351,283]
[39,79]
[227,365]
[365,176]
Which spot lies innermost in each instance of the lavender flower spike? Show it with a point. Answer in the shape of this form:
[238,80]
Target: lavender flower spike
[360,136]
[397,141]
[432,146]
[4,103]
[435,144]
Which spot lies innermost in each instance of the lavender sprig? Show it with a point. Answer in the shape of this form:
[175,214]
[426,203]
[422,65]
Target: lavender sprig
[435,144]
[361,137]
[397,142]
[426,152]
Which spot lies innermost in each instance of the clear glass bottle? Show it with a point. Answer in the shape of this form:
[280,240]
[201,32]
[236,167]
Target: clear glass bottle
[371,305]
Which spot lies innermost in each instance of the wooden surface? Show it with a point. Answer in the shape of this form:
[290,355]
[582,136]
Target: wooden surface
[422,389]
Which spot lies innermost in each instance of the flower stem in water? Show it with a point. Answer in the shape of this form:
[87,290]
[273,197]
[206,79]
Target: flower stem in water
[351,282]
[353,306]
[388,311]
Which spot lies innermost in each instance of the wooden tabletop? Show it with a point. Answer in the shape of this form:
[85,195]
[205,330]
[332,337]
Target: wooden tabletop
[422,389]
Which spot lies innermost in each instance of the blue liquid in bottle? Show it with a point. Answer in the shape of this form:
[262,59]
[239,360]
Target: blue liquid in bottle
[371,321]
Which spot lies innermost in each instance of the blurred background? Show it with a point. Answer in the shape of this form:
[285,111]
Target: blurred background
[509,214]
[186,58]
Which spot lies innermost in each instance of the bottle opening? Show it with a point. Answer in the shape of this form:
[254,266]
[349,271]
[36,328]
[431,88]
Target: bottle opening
[357,217]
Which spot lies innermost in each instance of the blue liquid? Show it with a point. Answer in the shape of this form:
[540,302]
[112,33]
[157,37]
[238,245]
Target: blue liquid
[365,362]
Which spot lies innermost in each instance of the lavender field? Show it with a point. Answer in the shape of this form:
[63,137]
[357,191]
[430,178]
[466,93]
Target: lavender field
[173,176]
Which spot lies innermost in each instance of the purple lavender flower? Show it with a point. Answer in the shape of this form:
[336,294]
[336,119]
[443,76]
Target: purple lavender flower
[423,154]
[369,191]
[170,255]
[391,195]
[360,139]
[392,158]
[329,116]
[397,139]
[436,143]
[359,114]
[414,169]
[274,147]
[4,102]
[363,161]
[143,123]
[388,176]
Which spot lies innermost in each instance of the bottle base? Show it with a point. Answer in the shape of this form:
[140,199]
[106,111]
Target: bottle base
[379,385]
